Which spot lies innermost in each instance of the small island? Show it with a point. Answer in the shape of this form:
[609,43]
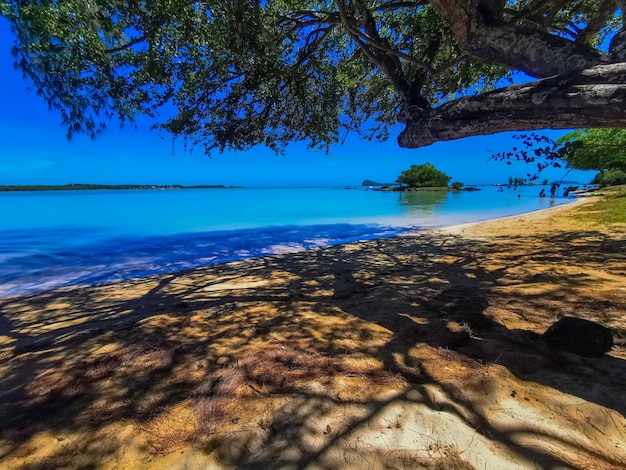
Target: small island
[423,177]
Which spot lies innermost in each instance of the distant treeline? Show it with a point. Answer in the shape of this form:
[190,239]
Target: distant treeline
[82,187]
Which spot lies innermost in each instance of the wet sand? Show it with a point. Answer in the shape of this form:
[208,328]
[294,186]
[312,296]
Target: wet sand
[420,351]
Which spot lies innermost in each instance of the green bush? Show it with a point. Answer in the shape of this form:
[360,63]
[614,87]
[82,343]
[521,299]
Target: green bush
[423,176]
[610,178]
[457,185]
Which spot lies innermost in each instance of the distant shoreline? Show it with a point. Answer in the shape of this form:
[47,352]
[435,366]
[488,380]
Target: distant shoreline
[91,187]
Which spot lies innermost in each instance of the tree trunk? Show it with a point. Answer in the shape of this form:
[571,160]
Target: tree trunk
[595,97]
[478,26]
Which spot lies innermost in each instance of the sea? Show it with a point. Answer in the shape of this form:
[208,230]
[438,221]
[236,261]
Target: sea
[51,239]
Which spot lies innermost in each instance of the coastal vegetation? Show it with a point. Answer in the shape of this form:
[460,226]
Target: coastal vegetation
[423,176]
[516,181]
[594,149]
[610,177]
[82,187]
[232,75]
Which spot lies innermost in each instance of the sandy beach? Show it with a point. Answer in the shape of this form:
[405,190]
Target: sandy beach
[420,351]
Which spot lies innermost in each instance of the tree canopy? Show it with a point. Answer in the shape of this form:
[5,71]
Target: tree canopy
[595,149]
[237,73]
[423,176]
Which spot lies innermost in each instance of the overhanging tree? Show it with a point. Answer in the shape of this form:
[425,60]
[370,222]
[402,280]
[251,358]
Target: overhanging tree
[237,73]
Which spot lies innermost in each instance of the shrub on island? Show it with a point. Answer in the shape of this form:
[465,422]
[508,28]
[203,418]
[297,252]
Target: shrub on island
[423,176]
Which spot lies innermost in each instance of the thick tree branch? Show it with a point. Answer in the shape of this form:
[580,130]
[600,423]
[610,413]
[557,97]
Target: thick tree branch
[594,98]
[483,35]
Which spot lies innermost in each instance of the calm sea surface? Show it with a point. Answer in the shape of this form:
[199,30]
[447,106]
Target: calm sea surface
[58,238]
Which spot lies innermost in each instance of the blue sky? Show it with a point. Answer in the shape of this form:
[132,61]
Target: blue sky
[34,150]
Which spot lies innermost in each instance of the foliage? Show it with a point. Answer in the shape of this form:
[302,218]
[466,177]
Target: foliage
[457,185]
[583,149]
[537,149]
[422,176]
[610,178]
[237,73]
[595,149]
[516,181]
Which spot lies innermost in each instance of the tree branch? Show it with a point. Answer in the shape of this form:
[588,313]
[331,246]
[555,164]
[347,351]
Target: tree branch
[534,8]
[534,52]
[127,45]
[389,61]
[390,50]
[389,65]
[391,6]
[311,47]
[599,20]
[618,43]
[594,98]
[304,19]
[450,64]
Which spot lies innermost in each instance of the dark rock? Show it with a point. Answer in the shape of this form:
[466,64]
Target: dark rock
[582,337]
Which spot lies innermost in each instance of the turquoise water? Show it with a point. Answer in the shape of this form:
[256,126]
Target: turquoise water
[58,238]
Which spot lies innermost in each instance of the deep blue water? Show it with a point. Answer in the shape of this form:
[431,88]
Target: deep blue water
[58,238]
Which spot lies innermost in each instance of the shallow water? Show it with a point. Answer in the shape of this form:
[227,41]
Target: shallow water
[58,238]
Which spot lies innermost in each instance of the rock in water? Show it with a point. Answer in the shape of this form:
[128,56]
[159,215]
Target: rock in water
[579,336]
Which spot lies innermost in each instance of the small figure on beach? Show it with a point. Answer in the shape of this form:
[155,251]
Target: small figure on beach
[519,196]
[553,189]
[542,193]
